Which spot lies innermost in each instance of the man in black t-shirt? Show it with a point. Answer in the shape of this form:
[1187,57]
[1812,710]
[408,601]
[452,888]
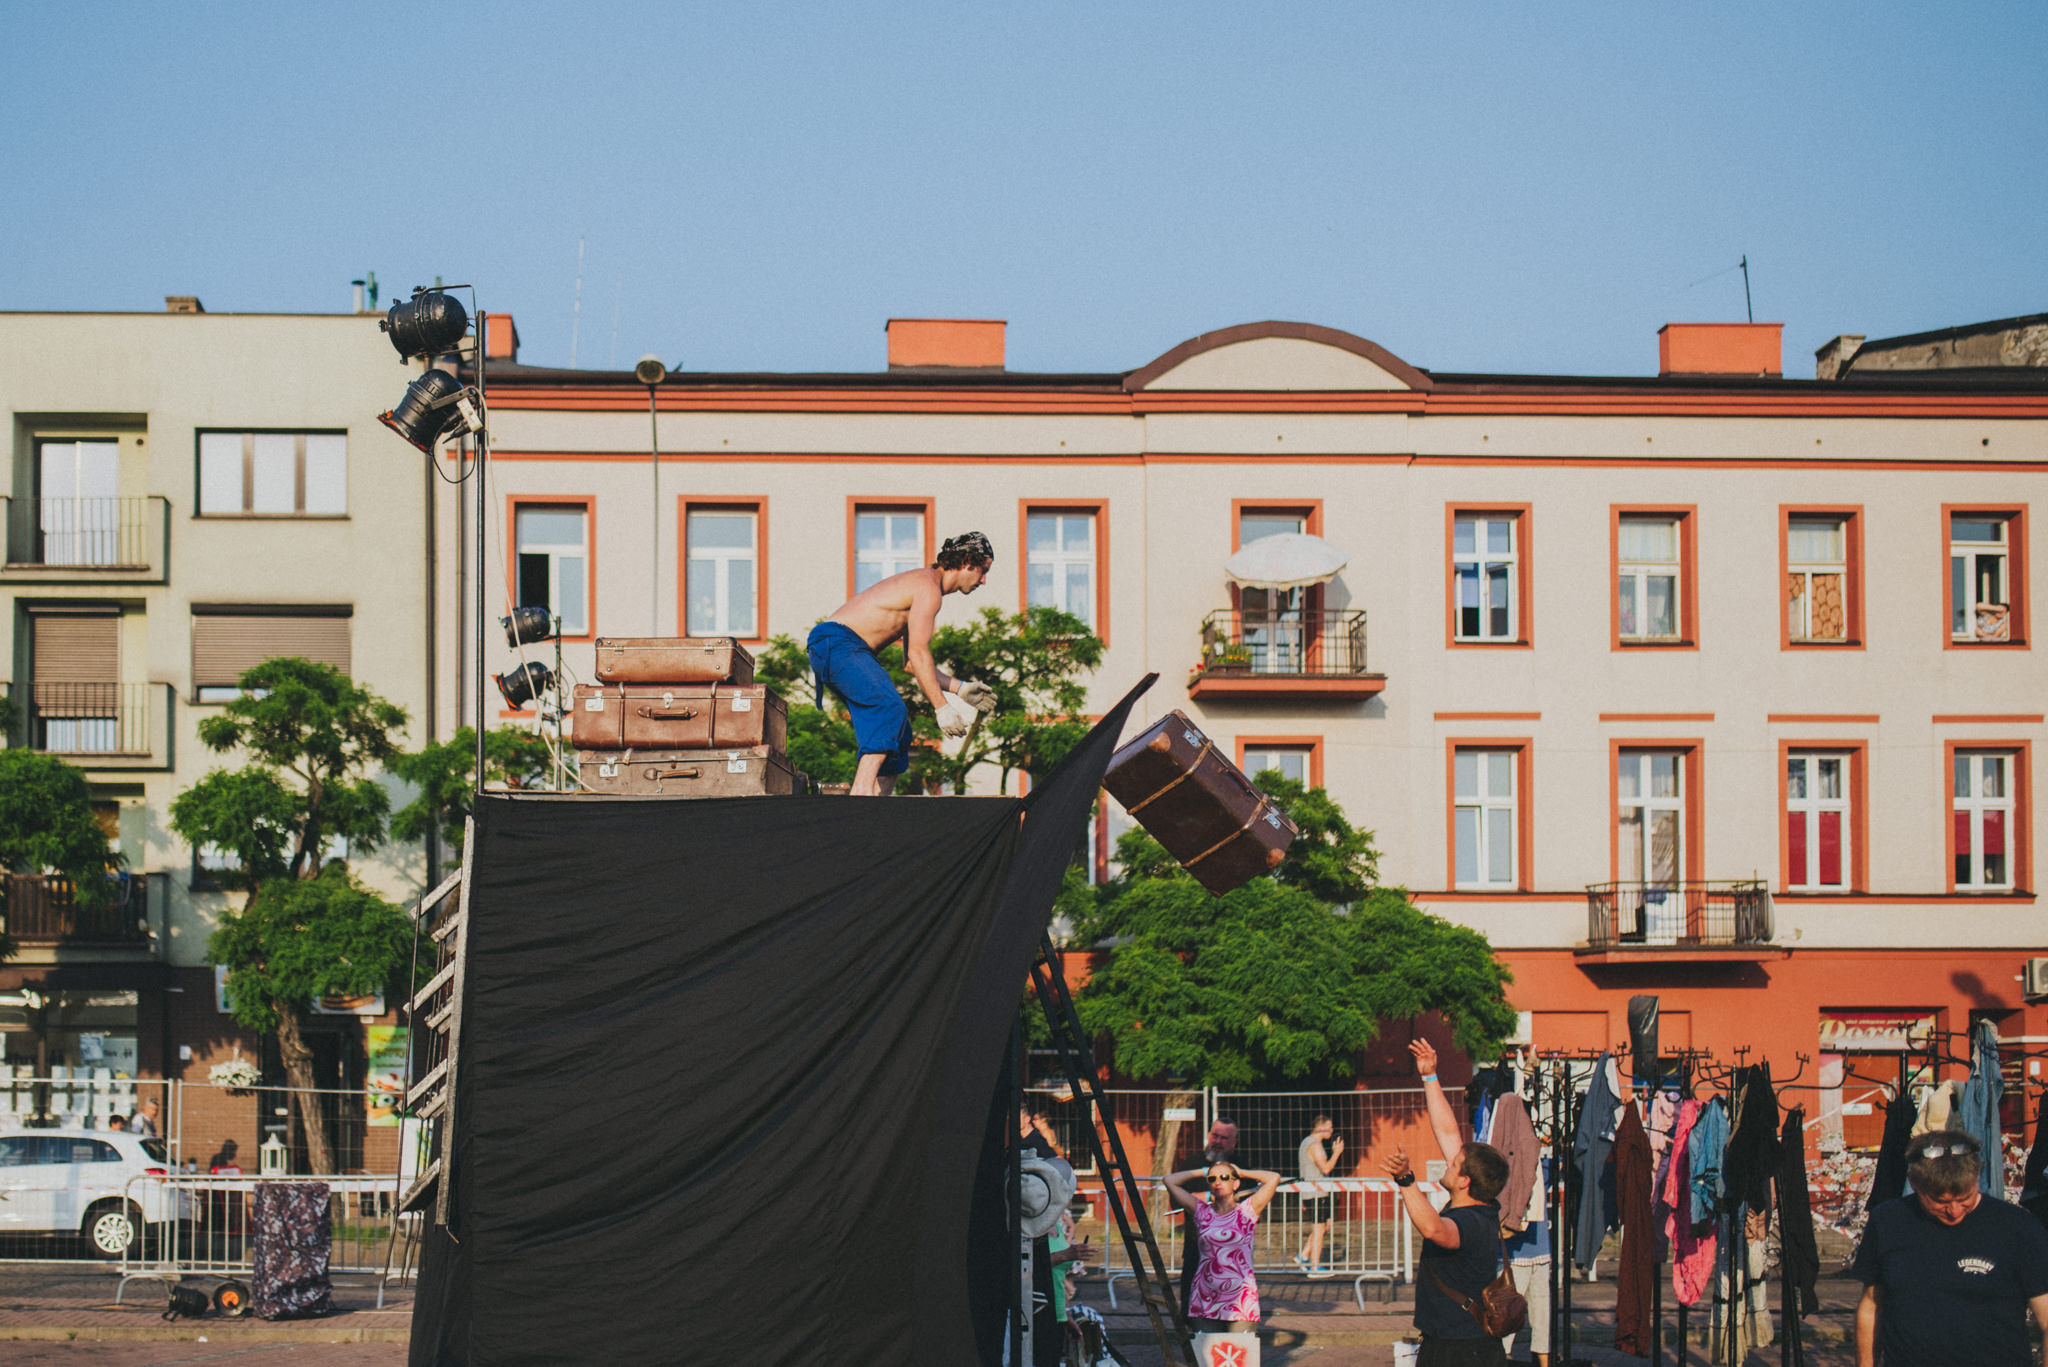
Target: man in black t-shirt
[1948,1273]
[1461,1245]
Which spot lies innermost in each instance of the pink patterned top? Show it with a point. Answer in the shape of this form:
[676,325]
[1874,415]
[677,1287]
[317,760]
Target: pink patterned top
[1224,1287]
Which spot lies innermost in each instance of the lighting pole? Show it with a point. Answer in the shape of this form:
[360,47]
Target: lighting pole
[651,372]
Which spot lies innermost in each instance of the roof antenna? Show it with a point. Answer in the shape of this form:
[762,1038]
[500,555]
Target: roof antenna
[1749,307]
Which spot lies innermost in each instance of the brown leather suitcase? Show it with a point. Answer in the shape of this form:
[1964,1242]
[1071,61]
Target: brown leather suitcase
[745,771]
[673,659]
[1178,785]
[677,716]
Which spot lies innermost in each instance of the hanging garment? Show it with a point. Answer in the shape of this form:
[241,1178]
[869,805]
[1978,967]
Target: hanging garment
[1610,1071]
[1515,1137]
[1708,1151]
[1692,1247]
[1745,1292]
[1797,1247]
[1978,1114]
[1889,1181]
[1663,1115]
[1633,1315]
[1590,1152]
[1753,1157]
[2034,1188]
[1935,1108]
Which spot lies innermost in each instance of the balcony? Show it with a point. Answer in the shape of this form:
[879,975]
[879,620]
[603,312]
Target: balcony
[1292,656]
[97,726]
[43,911]
[1678,922]
[86,540]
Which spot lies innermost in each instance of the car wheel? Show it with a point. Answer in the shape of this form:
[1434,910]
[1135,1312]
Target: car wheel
[231,1299]
[111,1227]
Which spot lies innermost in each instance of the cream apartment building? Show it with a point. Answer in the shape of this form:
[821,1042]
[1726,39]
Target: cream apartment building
[1712,683]
[188,493]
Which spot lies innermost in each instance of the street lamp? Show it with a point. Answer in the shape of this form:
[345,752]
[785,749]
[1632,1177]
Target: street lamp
[651,372]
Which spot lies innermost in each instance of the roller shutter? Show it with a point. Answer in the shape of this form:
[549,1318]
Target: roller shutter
[226,645]
[77,664]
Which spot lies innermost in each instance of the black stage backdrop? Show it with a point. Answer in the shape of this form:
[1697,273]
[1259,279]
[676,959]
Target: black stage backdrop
[726,1076]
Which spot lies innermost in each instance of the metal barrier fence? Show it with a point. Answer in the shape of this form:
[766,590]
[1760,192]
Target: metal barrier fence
[213,1235]
[1148,1119]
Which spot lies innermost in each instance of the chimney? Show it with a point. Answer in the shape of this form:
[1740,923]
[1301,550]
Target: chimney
[946,343]
[501,339]
[357,285]
[1831,360]
[1720,349]
[183,303]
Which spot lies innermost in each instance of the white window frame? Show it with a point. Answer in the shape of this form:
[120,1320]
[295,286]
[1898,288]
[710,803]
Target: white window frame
[723,562]
[1062,559]
[1484,810]
[1260,757]
[1970,768]
[1964,559]
[1808,808]
[1799,614]
[1480,561]
[556,552]
[215,444]
[1645,804]
[872,565]
[1633,576]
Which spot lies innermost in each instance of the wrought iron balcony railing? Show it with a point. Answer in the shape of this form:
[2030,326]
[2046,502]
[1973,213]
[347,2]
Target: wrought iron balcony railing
[1327,644]
[45,909]
[1681,914]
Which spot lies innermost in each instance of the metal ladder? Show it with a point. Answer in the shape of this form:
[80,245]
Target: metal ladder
[1122,1195]
[436,1013]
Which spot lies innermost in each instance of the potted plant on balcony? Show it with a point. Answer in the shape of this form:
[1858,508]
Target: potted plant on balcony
[1224,657]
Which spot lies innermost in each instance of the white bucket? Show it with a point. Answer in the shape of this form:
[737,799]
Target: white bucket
[1407,1354]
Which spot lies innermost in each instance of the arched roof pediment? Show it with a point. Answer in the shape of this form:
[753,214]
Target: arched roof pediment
[1277,356]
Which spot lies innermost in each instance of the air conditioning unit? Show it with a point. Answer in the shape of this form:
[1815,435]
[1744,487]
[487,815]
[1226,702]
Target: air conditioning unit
[2034,981]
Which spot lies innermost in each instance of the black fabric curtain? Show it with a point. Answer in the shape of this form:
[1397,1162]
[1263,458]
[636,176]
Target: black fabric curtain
[726,1075]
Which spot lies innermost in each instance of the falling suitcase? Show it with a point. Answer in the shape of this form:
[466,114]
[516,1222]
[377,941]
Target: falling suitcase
[673,659]
[677,717]
[1176,784]
[752,771]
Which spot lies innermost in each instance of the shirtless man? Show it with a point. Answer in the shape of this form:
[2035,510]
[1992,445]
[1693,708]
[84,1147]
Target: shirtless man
[843,646]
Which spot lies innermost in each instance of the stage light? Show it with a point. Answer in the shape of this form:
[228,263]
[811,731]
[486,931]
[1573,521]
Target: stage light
[522,685]
[424,414]
[529,624]
[427,324]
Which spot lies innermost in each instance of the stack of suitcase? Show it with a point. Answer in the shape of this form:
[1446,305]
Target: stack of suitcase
[681,716]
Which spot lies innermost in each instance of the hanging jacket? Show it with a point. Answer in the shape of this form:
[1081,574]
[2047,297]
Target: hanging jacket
[2034,1189]
[1798,1250]
[1753,1157]
[1663,1115]
[1935,1108]
[1692,1254]
[1638,1284]
[1708,1151]
[1515,1137]
[1977,1116]
[1889,1181]
[1590,1151]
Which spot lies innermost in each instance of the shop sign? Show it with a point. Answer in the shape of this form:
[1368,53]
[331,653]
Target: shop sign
[1884,1032]
[387,1046]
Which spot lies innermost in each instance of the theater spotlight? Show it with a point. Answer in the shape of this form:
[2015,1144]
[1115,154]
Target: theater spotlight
[522,685]
[427,324]
[423,414]
[527,625]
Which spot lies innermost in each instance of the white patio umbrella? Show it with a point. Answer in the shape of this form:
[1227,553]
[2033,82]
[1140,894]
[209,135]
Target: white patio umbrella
[1288,560]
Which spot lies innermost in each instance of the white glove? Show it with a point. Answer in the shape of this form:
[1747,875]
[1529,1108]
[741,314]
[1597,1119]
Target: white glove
[955,717]
[978,696]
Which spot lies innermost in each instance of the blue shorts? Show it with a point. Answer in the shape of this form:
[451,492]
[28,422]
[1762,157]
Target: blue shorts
[842,662]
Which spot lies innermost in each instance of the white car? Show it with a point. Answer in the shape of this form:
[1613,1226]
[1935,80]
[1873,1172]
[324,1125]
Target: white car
[82,1183]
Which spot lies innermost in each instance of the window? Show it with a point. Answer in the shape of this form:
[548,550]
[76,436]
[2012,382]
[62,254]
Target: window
[1650,816]
[76,668]
[1985,575]
[552,547]
[78,509]
[1817,589]
[1818,821]
[1986,833]
[723,578]
[1292,761]
[1484,816]
[229,639]
[1274,624]
[886,541]
[273,474]
[1060,564]
[1650,578]
[1486,579]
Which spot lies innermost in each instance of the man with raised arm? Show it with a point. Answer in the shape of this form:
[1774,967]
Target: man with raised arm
[1461,1244]
[843,647]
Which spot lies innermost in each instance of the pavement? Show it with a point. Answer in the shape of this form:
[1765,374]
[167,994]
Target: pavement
[54,1315]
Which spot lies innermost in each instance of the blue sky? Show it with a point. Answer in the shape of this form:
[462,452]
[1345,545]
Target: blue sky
[1502,187]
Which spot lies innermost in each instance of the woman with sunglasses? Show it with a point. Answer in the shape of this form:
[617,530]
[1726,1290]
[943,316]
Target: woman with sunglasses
[1226,1295]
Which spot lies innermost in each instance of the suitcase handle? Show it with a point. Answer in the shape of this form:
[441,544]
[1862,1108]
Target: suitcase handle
[653,713]
[693,771]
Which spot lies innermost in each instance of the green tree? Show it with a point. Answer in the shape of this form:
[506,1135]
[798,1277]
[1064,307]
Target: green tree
[313,739]
[444,773]
[1036,661]
[47,826]
[1286,978]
